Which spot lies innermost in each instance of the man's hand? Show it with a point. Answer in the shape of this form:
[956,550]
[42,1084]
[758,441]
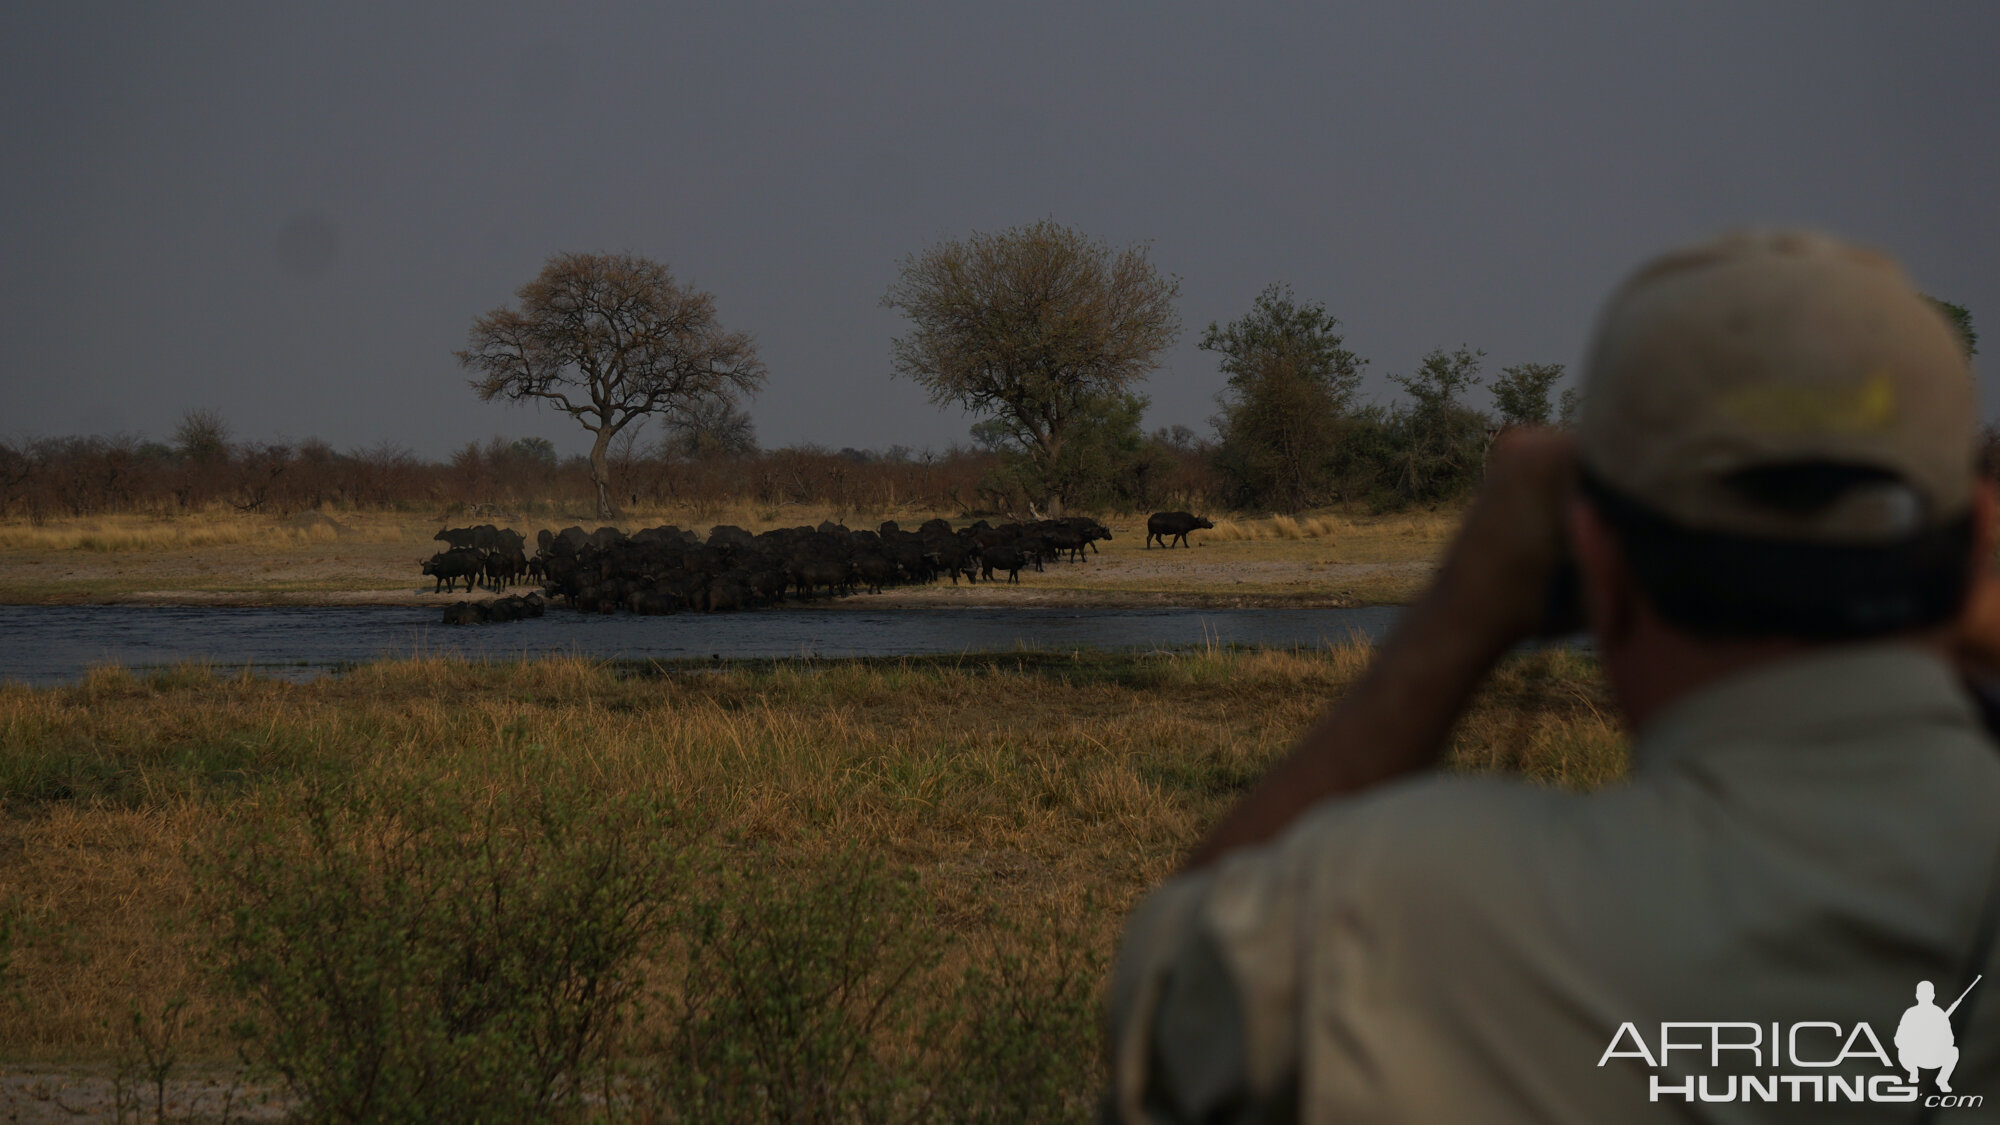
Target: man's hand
[1978,637]
[1489,596]
[1496,575]
[1979,629]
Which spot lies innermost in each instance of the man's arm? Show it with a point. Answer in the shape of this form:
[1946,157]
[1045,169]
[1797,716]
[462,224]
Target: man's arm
[1488,596]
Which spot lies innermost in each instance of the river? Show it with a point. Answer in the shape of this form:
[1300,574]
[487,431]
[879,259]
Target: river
[58,644]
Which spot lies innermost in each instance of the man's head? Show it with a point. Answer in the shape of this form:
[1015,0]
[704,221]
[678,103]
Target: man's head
[1778,430]
[1925,992]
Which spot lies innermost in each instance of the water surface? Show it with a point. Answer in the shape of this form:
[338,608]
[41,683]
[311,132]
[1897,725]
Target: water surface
[58,644]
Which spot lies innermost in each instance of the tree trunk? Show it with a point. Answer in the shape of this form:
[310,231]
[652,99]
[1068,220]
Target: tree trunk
[600,474]
[1051,448]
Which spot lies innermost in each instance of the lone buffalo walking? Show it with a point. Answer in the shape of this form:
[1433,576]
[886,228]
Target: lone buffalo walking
[1167,526]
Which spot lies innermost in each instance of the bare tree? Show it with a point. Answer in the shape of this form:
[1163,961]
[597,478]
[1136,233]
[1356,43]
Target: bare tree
[1035,326]
[609,339]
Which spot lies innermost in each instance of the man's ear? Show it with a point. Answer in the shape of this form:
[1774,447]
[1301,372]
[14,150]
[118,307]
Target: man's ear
[1610,595]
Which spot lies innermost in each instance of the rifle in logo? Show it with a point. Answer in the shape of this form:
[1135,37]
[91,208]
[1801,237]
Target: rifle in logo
[1963,995]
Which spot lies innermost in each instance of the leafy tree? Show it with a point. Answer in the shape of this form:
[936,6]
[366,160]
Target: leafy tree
[1107,459]
[1566,408]
[1522,392]
[1104,457]
[1441,443]
[539,450]
[202,437]
[1961,319]
[1291,380]
[1180,438]
[610,339]
[1032,326]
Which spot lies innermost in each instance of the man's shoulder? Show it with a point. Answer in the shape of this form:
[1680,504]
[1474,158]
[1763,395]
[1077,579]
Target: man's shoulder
[1470,839]
[1447,815]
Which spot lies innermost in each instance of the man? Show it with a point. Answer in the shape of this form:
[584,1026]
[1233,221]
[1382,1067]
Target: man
[1771,505]
[1924,1038]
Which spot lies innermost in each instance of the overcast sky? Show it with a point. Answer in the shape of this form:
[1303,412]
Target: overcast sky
[293,217]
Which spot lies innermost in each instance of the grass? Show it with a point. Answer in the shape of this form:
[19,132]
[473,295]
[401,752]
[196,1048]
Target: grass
[1327,559]
[229,556]
[1279,527]
[1392,537]
[1041,786]
[1236,578]
[212,528]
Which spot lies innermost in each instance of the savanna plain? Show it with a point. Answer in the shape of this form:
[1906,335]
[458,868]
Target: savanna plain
[800,890]
[223,557]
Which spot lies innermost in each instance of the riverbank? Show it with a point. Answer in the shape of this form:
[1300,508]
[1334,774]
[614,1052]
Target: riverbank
[373,558]
[1022,800]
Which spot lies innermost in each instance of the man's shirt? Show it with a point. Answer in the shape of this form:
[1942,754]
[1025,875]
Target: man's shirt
[1796,848]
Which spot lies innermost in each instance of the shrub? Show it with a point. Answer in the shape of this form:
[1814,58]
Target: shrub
[1026,1036]
[816,995]
[798,995]
[412,952]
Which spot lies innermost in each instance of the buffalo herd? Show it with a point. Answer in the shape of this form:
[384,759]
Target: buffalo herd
[664,570]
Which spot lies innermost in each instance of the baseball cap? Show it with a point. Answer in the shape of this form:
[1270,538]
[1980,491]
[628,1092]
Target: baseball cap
[1768,350]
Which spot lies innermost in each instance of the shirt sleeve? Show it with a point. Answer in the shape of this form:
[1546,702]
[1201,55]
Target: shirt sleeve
[1204,1005]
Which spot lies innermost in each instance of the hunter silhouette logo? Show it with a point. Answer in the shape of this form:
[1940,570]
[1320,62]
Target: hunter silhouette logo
[1801,1062]
[1924,1040]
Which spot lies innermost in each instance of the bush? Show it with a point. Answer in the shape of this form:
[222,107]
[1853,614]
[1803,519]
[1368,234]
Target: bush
[797,999]
[413,953]
[816,995]
[1026,1038]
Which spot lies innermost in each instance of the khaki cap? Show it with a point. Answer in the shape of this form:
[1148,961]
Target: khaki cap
[1774,348]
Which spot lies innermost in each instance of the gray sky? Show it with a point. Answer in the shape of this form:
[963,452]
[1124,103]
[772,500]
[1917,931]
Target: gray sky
[293,217]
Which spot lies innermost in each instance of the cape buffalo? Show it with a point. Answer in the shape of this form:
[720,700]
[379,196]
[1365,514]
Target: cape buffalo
[448,567]
[1169,526]
[1009,559]
[504,567]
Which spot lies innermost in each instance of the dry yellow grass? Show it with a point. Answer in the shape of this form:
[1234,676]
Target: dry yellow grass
[227,556]
[227,527]
[1392,537]
[212,528]
[1055,788]
[1281,527]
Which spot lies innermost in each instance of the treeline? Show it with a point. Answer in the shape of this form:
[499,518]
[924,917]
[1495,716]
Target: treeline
[95,475]
[1285,440]
[1282,444]
[1043,333]
[1376,457]
[1292,432]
